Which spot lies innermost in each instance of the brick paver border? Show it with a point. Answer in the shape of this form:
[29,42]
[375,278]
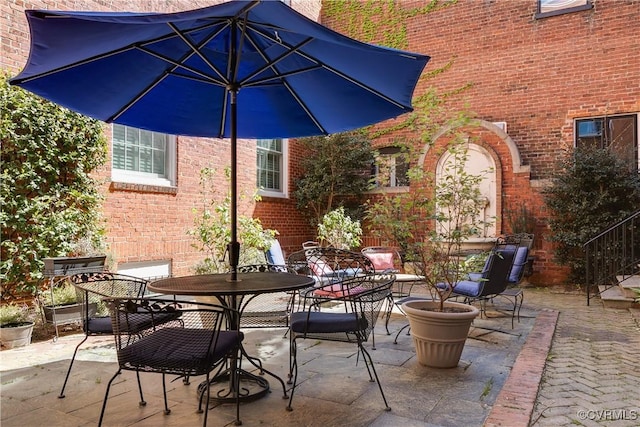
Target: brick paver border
[515,402]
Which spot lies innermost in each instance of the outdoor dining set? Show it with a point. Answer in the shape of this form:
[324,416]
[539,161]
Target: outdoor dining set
[194,326]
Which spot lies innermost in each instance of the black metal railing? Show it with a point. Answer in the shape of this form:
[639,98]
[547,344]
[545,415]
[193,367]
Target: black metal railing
[614,252]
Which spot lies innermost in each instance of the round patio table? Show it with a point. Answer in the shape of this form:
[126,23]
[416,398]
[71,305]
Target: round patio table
[231,294]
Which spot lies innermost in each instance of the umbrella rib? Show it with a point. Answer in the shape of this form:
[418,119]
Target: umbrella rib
[106,54]
[176,64]
[332,69]
[180,64]
[128,105]
[195,50]
[259,82]
[272,63]
[282,77]
[73,65]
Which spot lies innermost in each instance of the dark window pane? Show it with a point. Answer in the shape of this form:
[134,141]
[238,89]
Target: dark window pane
[618,134]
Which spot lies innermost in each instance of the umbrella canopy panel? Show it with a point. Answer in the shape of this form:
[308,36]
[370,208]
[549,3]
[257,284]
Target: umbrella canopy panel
[175,73]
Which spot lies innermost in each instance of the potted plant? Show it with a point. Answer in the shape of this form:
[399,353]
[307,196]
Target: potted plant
[16,325]
[339,230]
[60,304]
[436,217]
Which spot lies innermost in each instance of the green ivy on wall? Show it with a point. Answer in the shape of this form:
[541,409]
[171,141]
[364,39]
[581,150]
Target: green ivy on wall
[379,21]
[384,22]
[50,201]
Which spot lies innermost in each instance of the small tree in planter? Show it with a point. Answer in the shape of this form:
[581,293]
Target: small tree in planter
[435,219]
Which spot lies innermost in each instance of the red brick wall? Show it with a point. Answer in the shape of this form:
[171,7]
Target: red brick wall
[536,75]
[147,223]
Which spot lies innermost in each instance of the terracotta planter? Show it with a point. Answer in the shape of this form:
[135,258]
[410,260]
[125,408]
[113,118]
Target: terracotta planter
[439,337]
[16,336]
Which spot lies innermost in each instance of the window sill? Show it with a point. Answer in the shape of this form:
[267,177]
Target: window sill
[143,188]
[272,195]
[564,11]
[386,190]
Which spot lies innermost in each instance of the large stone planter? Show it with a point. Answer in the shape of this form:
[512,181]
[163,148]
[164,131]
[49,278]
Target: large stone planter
[16,335]
[439,337]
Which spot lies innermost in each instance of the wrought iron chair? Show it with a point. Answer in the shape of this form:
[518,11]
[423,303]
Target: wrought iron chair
[494,280]
[92,288]
[196,343]
[266,310]
[352,319]
[330,265]
[511,292]
[388,260]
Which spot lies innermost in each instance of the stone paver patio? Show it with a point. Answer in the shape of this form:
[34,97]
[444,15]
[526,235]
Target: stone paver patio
[563,364]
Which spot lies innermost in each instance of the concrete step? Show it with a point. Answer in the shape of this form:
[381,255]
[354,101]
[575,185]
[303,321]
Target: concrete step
[614,298]
[627,284]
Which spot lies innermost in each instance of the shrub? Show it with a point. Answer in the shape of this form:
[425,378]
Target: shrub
[337,171]
[212,229]
[591,190]
[340,230]
[14,314]
[61,294]
[49,199]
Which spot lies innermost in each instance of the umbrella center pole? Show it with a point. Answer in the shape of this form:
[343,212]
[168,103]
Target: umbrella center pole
[234,246]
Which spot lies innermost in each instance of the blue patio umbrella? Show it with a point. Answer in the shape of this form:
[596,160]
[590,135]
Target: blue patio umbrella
[241,69]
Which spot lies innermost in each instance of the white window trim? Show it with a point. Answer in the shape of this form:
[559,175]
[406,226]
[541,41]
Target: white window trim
[146,269]
[144,178]
[284,174]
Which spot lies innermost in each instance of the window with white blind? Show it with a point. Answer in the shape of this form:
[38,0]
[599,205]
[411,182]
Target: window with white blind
[271,164]
[143,157]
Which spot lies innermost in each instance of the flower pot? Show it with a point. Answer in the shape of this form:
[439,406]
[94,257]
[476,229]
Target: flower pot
[16,334]
[439,337]
[69,313]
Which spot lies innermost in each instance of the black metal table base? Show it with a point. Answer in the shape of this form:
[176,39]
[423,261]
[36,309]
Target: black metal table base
[250,387]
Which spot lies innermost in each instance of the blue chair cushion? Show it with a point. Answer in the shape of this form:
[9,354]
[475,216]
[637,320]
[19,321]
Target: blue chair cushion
[102,325]
[467,288]
[274,254]
[321,322]
[179,348]
[519,262]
